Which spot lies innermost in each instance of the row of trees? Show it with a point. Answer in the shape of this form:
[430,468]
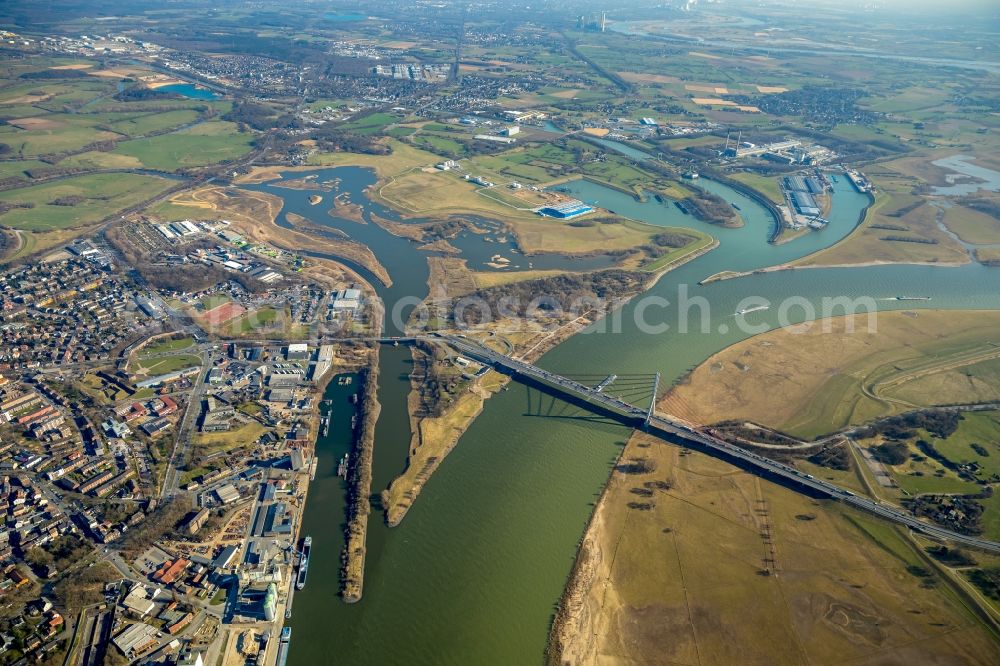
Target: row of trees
[941,423]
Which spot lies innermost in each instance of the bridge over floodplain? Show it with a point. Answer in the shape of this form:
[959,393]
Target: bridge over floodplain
[597,399]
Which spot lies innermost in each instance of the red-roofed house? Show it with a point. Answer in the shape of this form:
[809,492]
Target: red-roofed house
[169,571]
[168,407]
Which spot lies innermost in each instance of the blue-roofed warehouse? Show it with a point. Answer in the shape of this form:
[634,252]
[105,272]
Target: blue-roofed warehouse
[566,209]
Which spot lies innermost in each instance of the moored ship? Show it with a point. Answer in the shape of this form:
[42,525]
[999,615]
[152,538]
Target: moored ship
[300,581]
[286,639]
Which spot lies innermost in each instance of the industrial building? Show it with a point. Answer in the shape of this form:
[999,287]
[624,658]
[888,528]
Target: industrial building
[298,351]
[135,639]
[265,274]
[804,203]
[227,494]
[566,210]
[149,308]
[176,230]
[277,520]
[139,601]
[225,558]
[284,377]
[169,377]
[804,184]
[196,522]
[495,139]
[323,362]
[347,301]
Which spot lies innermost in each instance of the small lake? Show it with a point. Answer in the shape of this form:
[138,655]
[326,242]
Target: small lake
[189,90]
[969,177]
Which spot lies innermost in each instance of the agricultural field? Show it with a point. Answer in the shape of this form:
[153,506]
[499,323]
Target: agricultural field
[701,241]
[400,132]
[914,98]
[52,134]
[918,474]
[438,143]
[61,118]
[371,124]
[77,201]
[211,302]
[54,117]
[19,168]
[536,164]
[812,383]
[250,322]
[543,164]
[154,122]
[974,444]
[976,428]
[208,143]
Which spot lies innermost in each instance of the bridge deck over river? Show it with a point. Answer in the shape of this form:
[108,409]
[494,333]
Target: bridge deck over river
[671,430]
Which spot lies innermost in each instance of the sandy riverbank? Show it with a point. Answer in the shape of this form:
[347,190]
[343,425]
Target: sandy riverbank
[729,275]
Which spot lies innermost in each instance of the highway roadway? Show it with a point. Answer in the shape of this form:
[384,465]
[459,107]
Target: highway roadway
[673,430]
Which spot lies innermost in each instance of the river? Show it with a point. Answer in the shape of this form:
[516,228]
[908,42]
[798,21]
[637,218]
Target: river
[473,573]
[821,49]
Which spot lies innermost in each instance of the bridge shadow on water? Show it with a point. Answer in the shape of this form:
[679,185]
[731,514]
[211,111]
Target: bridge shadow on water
[544,401]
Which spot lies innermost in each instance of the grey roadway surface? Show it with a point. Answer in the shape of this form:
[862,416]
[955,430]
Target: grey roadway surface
[171,481]
[672,430]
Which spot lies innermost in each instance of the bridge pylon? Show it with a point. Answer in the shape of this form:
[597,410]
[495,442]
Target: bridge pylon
[652,401]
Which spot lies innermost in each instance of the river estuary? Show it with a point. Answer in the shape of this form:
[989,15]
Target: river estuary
[474,572]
